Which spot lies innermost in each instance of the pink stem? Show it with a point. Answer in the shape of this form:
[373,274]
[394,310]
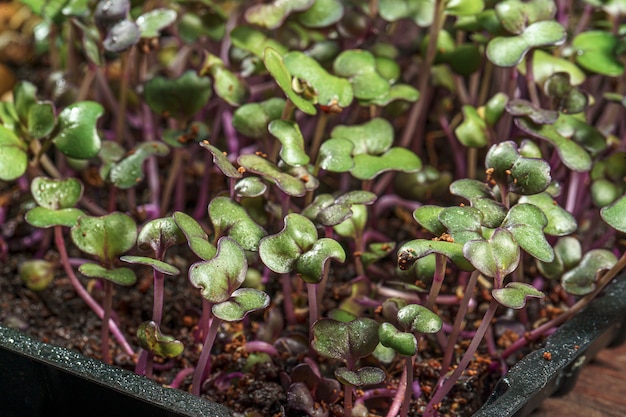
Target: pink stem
[82,292]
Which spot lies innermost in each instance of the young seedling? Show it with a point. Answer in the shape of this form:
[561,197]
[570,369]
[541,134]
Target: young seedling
[29,127]
[348,342]
[106,238]
[413,321]
[296,248]
[56,199]
[157,235]
[219,280]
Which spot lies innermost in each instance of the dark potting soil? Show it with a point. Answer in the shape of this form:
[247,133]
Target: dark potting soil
[59,317]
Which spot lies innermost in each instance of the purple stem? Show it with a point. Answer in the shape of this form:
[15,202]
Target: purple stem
[203,194]
[260,346]
[180,377]
[203,365]
[347,400]
[458,153]
[572,191]
[375,393]
[107,306]
[399,398]
[409,363]
[435,287]
[82,292]
[467,357]
[458,321]
[285,281]
[77,261]
[390,201]
[313,306]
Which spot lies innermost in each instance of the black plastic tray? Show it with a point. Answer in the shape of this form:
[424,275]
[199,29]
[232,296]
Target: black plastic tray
[37,379]
[601,324]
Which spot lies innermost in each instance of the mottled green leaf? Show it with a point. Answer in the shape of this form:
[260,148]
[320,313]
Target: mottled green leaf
[196,236]
[120,276]
[615,214]
[157,265]
[241,302]
[220,276]
[515,294]
[152,22]
[560,221]
[581,279]
[230,218]
[180,98]
[44,217]
[106,237]
[129,172]
[367,375]
[292,149]
[150,338]
[259,165]
[345,341]
[496,257]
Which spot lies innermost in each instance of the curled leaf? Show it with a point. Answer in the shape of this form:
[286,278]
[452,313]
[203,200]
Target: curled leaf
[241,302]
[150,338]
[230,218]
[128,172]
[197,239]
[515,294]
[77,136]
[581,279]
[220,276]
[368,375]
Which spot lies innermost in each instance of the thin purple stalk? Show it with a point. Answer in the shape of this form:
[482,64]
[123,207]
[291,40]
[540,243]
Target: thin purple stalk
[285,281]
[107,306]
[572,191]
[442,390]
[374,393]
[435,287]
[458,153]
[203,365]
[82,292]
[313,306]
[180,377]
[144,363]
[261,346]
[417,113]
[458,321]
[203,193]
[347,400]
[408,388]
[394,409]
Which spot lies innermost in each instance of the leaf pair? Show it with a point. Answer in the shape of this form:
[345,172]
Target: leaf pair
[73,132]
[219,279]
[296,248]
[366,151]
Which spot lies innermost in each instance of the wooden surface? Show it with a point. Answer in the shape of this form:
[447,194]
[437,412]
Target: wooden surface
[599,392]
